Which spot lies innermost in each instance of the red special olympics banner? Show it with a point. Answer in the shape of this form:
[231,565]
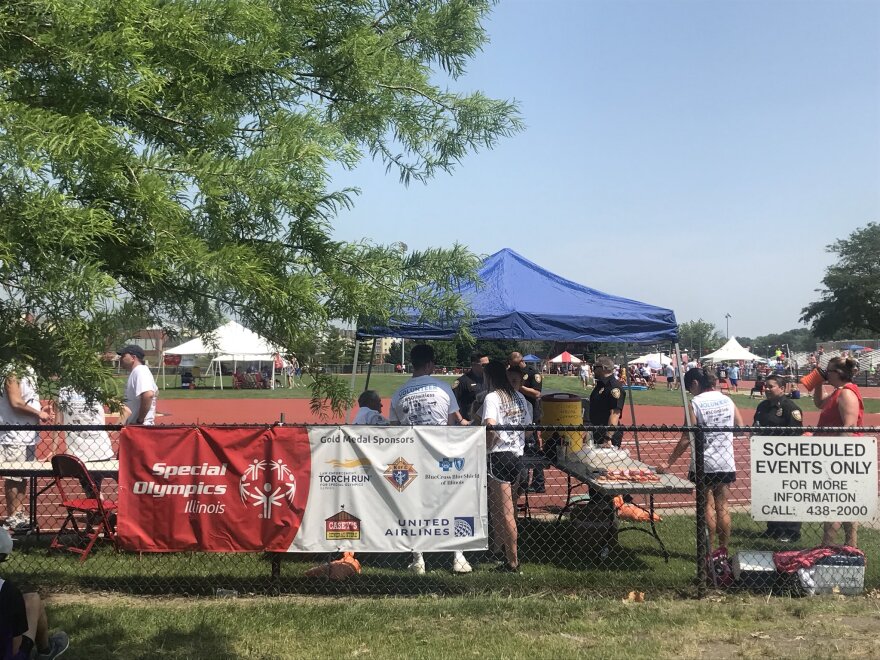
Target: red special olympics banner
[228,489]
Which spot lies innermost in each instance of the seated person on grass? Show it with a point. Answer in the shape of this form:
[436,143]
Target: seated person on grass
[23,622]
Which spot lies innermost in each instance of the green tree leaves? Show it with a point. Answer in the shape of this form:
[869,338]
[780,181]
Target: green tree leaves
[167,164]
[849,303]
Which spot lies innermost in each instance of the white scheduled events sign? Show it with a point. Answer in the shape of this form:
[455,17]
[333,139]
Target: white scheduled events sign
[814,478]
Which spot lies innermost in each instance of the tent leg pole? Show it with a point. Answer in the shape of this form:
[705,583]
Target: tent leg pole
[370,365]
[684,401]
[164,386]
[357,346]
[632,406]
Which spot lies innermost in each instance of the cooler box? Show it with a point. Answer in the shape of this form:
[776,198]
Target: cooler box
[844,573]
[754,568]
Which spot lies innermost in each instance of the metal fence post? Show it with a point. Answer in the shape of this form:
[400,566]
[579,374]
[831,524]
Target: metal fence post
[703,548]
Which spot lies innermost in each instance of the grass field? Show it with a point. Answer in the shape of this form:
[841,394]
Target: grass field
[547,625]
[559,558]
[386,384]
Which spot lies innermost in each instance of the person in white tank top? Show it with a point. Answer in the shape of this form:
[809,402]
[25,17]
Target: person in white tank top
[711,409]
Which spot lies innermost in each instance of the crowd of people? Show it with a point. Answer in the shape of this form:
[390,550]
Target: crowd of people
[497,393]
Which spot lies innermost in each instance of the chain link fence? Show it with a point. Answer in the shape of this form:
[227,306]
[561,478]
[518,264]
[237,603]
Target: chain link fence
[584,520]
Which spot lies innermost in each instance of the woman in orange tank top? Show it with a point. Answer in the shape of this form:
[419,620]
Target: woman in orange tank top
[842,407]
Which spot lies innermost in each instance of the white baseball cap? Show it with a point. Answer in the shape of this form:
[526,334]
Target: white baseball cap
[5,542]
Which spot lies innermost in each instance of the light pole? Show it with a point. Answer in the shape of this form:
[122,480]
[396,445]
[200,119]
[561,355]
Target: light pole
[727,325]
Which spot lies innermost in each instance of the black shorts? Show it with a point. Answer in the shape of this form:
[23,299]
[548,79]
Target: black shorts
[670,379]
[508,467]
[714,478]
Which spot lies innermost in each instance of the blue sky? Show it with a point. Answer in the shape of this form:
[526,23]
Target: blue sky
[691,154]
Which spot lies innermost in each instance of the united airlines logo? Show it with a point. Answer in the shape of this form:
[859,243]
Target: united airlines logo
[266,485]
[463,526]
[400,474]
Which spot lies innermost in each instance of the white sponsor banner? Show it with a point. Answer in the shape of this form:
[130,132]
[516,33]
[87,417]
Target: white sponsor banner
[395,489]
[818,478]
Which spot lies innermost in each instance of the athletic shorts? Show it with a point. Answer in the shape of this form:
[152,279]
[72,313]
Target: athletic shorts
[508,467]
[17,454]
[670,379]
[711,479]
[734,381]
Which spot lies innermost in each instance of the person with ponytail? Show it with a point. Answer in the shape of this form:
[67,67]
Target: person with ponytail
[716,412]
[842,407]
[504,406]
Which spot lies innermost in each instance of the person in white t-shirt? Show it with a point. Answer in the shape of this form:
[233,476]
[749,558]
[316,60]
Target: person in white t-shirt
[425,400]
[670,376]
[75,410]
[715,411]
[505,406]
[370,411]
[141,391]
[19,405]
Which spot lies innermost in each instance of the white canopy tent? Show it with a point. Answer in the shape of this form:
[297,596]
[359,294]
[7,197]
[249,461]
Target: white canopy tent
[231,342]
[731,352]
[653,360]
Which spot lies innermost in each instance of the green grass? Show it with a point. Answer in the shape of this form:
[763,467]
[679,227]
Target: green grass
[559,558]
[548,625]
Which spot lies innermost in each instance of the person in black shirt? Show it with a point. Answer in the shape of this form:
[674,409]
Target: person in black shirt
[777,410]
[606,403]
[23,622]
[531,390]
[469,385]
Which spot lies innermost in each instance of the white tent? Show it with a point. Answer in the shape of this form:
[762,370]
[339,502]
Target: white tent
[231,342]
[566,357]
[731,352]
[653,360]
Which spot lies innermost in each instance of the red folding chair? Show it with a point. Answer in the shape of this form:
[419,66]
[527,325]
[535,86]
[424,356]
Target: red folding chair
[83,500]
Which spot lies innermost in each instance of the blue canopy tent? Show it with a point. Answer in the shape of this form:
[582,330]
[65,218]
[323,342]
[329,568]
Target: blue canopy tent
[531,358]
[517,299]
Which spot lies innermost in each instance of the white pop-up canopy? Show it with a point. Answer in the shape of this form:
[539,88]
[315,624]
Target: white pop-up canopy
[566,357]
[653,360]
[232,342]
[731,352]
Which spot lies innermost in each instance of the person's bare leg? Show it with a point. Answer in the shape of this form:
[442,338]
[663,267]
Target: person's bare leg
[710,518]
[851,534]
[15,492]
[38,625]
[829,533]
[501,503]
[722,515]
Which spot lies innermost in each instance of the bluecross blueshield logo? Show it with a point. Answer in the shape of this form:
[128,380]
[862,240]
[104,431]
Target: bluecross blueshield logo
[463,526]
[446,464]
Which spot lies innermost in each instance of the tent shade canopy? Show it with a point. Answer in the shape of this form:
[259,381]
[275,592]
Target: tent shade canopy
[531,358]
[653,360]
[517,299]
[233,342]
[731,351]
[565,357]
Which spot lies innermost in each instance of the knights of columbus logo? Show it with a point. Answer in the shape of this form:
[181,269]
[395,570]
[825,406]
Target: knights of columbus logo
[400,474]
[446,464]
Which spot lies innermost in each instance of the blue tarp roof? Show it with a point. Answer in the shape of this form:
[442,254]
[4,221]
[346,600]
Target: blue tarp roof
[517,299]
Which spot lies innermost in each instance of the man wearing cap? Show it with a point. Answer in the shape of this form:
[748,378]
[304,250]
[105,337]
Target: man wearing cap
[470,385]
[606,404]
[141,391]
[779,415]
[23,622]
[531,390]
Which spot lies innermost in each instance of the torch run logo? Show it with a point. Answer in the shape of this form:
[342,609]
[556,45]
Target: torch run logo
[267,484]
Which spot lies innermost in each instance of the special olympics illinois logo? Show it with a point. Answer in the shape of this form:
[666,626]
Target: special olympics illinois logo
[267,484]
